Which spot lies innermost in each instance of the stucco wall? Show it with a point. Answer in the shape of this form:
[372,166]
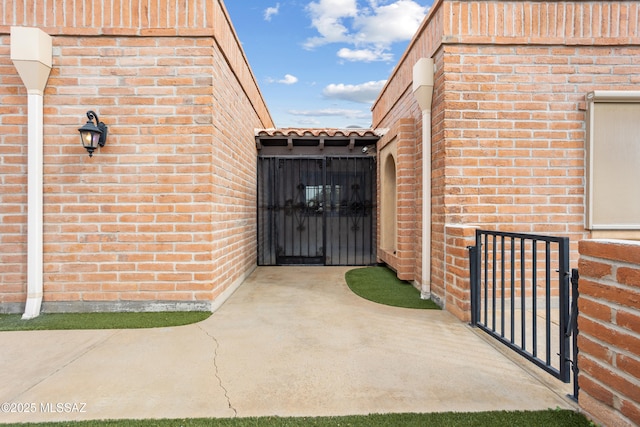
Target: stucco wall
[508,120]
[164,215]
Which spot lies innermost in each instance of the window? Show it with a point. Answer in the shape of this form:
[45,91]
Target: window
[613,160]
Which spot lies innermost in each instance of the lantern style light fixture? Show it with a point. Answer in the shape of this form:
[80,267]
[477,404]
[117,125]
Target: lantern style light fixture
[93,135]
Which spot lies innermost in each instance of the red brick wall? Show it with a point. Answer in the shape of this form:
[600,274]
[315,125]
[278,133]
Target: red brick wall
[508,125]
[456,282]
[609,323]
[13,181]
[164,215]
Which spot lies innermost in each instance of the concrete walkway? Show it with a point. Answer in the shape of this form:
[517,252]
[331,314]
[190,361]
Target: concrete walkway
[291,341]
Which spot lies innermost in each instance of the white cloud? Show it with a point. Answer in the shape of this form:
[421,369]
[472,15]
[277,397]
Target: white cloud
[326,112]
[364,93]
[328,18]
[384,25]
[287,80]
[308,122]
[363,55]
[371,29]
[271,11]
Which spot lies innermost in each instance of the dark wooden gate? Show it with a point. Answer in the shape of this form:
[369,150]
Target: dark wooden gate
[316,210]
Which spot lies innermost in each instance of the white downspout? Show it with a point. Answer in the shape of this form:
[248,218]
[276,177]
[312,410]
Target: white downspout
[31,53]
[423,72]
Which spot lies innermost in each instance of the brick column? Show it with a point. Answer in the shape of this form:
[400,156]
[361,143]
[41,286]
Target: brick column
[609,324]
[457,293]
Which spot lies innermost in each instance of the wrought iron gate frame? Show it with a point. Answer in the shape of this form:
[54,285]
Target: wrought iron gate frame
[353,208]
[568,315]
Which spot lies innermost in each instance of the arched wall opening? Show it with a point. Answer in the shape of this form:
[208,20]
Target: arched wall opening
[389,209]
[397,199]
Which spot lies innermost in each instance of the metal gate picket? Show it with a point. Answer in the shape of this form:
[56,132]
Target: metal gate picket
[520,295]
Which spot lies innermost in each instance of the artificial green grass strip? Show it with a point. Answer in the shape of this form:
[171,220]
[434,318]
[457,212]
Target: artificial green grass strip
[53,321]
[381,285]
[548,418]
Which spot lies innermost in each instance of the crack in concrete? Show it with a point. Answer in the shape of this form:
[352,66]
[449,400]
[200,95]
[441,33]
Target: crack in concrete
[217,372]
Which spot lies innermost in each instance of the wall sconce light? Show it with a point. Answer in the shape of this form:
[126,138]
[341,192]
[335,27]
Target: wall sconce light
[93,135]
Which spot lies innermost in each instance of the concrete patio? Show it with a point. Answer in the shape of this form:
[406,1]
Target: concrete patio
[290,341]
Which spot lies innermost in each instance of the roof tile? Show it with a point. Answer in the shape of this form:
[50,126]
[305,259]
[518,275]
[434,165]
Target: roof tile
[318,132]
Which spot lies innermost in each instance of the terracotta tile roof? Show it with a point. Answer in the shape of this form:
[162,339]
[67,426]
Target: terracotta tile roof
[318,132]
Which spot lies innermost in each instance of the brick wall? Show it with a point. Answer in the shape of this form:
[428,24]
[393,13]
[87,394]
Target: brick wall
[402,259]
[609,323]
[508,120]
[163,216]
[456,283]
[13,181]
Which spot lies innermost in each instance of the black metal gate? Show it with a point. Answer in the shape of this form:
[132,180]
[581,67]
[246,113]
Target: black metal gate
[520,295]
[316,210]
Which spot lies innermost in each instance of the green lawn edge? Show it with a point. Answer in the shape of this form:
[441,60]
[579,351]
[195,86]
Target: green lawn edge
[546,418]
[381,285]
[73,321]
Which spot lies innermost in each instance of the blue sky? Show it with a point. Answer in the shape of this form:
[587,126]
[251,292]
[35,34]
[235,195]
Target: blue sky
[322,63]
